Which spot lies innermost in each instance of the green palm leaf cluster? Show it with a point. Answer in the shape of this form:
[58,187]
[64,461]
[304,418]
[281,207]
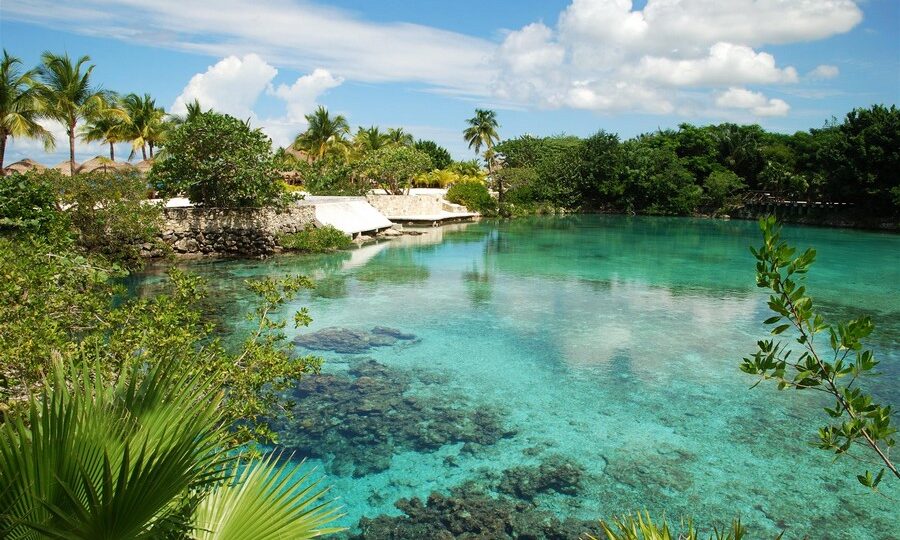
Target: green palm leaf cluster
[482,130]
[68,96]
[140,456]
[325,135]
[20,105]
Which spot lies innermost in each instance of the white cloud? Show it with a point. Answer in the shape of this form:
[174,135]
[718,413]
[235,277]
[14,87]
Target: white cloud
[301,96]
[231,86]
[725,64]
[754,102]
[824,71]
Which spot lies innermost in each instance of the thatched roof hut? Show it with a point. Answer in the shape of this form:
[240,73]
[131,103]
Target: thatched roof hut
[24,165]
[64,167]
[143,167]
[103,164]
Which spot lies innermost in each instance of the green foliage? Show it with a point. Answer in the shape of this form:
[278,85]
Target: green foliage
[720,189]
[440,157]
[316,240]
[331,177]
[109,213]
[474,196]
[219,161]
[657,182]
[466,168]
[394,167]
[140,455]
[602,162]
[325,135]
[28,204]
[858,420]
[642,527]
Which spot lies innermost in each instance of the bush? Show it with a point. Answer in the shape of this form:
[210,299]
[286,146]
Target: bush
[394,167]
[720,188]
[28,204]
[219,161]
[316,240]
[110,215]
[474,196]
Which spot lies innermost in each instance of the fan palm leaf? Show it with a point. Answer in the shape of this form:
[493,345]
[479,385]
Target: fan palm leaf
[264,500]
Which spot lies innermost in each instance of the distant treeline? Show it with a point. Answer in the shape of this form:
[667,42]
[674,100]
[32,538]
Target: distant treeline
[708,169]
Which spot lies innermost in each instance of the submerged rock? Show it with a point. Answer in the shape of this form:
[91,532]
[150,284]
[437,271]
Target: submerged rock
[555,473]
[349,341]
[361,419]
[470,514]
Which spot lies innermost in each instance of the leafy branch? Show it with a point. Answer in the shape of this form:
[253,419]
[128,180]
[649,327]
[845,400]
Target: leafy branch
[858,419]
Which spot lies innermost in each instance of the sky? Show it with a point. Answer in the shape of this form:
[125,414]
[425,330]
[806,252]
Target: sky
[546,66]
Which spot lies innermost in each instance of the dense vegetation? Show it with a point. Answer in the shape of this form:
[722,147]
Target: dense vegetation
[704,169]
[129,407]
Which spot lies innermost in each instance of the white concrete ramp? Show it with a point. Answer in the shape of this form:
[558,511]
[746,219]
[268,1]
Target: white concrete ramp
[350,215]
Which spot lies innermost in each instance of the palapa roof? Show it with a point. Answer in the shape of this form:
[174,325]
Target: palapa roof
[63,167]
[25,165]
[102,164]
[144,166]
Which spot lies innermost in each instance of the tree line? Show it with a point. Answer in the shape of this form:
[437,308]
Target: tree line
[703,169]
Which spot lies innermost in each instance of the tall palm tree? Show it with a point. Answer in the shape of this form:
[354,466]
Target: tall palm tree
[400,137]
[140,455]
[20,105]
[194,109]
[68,95]
[323,135]
[369,139]
[145,124]
[109,126]
[482,130]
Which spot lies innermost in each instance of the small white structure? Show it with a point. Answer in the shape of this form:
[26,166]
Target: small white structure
[350,215]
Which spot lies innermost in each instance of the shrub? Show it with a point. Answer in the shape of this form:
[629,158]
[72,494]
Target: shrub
[219,161]
[28,204]
[720,187]
[110,215]
[440,157]
[474,196]
[330,176]
[316,240]
[394,167]
[466,168]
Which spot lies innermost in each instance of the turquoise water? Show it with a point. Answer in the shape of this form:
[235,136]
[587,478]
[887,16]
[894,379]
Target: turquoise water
[610,342]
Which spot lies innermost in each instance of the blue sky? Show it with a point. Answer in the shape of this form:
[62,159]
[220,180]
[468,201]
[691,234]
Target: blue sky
[547,67]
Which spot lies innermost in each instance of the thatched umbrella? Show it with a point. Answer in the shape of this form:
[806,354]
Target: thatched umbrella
[24,165]
[143,167]
[65,167]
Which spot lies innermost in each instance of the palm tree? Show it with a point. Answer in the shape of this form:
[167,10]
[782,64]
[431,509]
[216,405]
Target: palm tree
[20,105]
[139,455]
[194,109]
[146,122]
[482,130]
[369,140]
[109,126]
[68,95]
[399,137]
[323,135]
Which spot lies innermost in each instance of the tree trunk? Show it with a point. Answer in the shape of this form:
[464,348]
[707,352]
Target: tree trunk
[144,151]
[2,152]
[112,152]
[71,148]
[151,150]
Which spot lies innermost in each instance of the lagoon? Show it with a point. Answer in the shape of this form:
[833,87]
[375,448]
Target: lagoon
[608,343]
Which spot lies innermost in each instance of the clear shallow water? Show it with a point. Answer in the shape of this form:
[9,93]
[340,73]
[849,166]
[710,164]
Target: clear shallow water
[611,342]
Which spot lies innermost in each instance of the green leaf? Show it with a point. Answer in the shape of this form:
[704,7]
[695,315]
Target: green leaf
[779,329]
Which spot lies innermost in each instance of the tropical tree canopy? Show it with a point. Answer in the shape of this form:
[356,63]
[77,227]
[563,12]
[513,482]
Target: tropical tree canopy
[324,135]
[20,105]
[369,139]
[146,124]
[67,93]
[482,130]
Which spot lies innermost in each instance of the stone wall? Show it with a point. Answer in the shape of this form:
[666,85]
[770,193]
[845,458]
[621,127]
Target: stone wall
[407,205]
[231,231]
